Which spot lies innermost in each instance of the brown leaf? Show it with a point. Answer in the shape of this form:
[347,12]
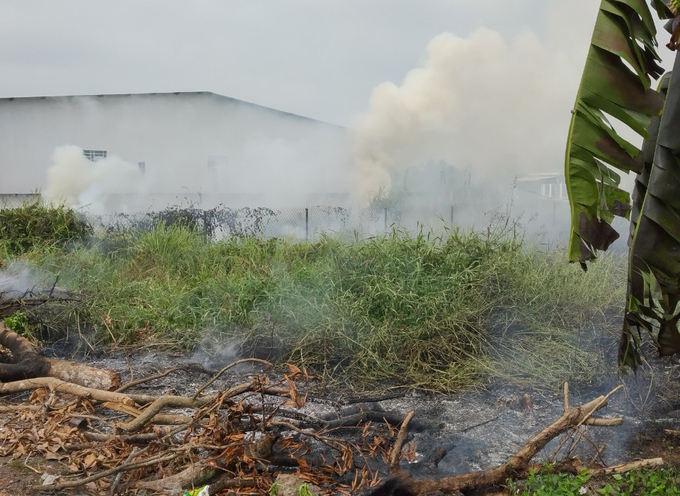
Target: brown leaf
[294,370]
[90,460]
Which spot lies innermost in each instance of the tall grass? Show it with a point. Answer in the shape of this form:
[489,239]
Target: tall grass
[34,225]
[436,313]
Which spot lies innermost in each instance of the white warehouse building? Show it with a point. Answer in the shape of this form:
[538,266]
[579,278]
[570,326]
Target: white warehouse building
[151,150]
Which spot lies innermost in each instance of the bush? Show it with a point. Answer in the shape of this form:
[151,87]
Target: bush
[35,225]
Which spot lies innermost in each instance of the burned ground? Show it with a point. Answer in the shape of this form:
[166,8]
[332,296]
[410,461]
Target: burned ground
[477,429]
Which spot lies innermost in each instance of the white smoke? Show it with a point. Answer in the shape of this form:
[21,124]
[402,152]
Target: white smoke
[17,280]
[497,108]
[81,183]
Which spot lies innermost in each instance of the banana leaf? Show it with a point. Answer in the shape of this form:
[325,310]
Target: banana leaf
[616,83]
[654,264]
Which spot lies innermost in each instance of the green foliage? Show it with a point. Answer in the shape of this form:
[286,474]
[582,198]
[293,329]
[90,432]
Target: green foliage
[410,310]
[547,484]
[36,225]
[303,490]
[274,489]
[654,272]
[634,483]
[18,322]
[616,82]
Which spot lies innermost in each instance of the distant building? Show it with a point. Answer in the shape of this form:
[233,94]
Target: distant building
[186,145]
[545,184]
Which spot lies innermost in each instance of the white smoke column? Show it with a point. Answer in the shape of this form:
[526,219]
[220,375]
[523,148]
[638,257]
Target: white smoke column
[500,109]
[81,183]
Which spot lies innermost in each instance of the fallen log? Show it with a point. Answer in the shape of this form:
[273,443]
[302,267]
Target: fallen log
[26,363]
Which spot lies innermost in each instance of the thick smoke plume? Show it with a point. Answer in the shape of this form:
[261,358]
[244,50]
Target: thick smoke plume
[79,182]
[496,108]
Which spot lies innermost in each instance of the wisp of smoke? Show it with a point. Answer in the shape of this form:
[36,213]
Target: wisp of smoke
[480,103]
[79,182]
[17,280]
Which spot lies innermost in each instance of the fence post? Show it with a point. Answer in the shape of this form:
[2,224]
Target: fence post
[385,216]
[306,224]
[451,214]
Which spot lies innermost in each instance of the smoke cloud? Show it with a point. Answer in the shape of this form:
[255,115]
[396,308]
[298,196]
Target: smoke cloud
[494,107]
[81,183]
[197,148]
[17,280]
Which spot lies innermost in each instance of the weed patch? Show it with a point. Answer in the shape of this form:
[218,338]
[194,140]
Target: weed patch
[436,313]
[634,483]
[34,225]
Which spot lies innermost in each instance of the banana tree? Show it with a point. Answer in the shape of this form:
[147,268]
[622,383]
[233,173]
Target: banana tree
[617,90]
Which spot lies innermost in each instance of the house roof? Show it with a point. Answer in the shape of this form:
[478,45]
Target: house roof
[167,94]
[540,176]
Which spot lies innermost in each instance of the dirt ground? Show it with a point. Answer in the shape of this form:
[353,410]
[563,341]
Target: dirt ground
[16,476]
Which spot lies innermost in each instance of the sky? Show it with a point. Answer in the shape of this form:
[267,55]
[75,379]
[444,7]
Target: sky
[318,58]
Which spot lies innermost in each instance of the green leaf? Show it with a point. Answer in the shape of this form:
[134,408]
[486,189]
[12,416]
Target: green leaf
[616,82]
[654,265]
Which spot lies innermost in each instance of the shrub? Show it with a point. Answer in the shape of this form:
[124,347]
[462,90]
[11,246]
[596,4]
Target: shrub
[36,225]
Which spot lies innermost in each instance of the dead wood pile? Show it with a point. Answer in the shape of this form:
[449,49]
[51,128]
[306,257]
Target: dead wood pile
[237,439]
[13,301]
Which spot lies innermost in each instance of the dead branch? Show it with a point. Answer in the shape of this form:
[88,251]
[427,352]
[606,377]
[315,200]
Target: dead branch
[116,481]
[147,415]
[154,377]
[395,454]
[60,386]
[216,376]
[330,442]
[100,475]
[19,408]
[217,435]
[173,401]
[133,438]
[369,415]
[194,475]
[150,378]
[627,467]
[517,466]
[227,481]
[10,305]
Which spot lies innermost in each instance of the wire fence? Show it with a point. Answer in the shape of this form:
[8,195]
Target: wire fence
[302,223]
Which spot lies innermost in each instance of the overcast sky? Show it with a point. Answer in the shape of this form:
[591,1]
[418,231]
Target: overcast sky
[319,58]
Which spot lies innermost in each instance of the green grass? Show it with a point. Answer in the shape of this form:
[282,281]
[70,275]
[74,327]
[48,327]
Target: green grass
[34,225]
[435,313]
[644,482]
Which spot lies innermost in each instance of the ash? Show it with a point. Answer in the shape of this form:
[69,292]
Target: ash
[478,429]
